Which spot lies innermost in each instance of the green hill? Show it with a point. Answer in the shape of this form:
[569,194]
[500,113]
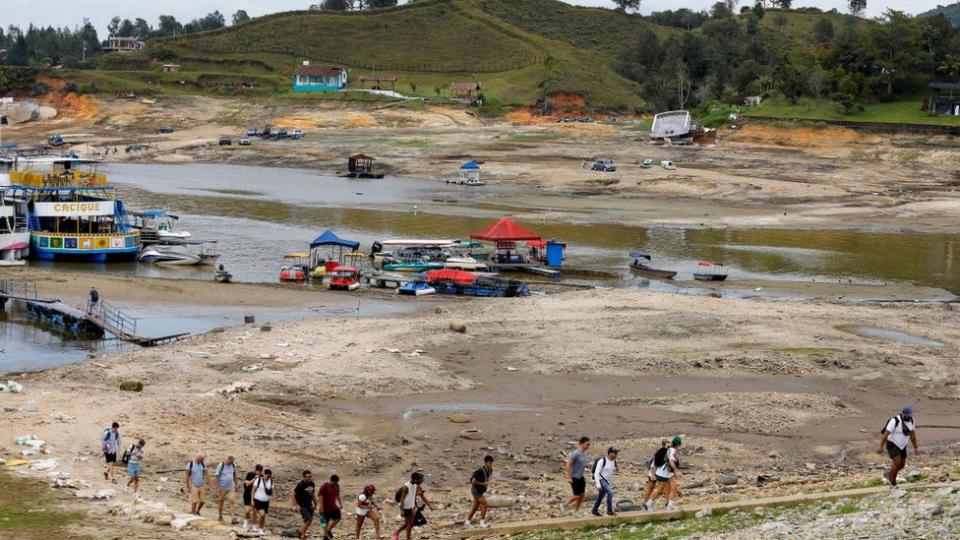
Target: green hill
[428,44]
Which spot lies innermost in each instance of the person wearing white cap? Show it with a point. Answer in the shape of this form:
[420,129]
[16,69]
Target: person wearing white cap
[894,437]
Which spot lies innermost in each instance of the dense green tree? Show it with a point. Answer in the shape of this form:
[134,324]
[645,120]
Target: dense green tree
[239,16]
[857,7]
[378,4]
[823,30]
[169,26]
[627,5]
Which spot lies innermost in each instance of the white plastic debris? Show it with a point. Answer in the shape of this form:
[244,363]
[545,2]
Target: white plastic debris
[44,464]
[252,367]
[235,388]
[12,386]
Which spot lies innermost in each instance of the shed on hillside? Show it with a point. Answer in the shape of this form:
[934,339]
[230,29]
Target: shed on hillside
[308,78]
[465,90]
[378,82]
[945,98]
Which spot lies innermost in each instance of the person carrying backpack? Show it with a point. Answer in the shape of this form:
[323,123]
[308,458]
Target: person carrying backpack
[249,513]
[262,492]
[407,497]
[195,481]
[603,471]
[668,476]
[657,461]
[895,434]
[110,444]
[226,475]
[132,457]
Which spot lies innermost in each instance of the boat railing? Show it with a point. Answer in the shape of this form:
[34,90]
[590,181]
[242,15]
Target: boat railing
[115,320]
[64,179]
[18,288]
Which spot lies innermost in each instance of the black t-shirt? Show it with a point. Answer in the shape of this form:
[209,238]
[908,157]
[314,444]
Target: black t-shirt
[248,490]
[480,475]
[303,493]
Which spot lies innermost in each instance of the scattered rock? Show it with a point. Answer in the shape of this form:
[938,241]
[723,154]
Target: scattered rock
[727,480]
[472,434]
[626,505]
[235,388]
[12,386]
[811,466]
[914,475]
[704,513]
[266,328]
[500,501]
[252,367]
[458,326]
[131,386]
[897,493]
[94,494]
[460,418]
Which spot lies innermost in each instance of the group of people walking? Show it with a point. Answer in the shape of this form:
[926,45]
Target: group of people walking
[663,471]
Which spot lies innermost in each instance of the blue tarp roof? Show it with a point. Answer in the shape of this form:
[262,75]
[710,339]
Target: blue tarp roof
[328,238]
[470,165]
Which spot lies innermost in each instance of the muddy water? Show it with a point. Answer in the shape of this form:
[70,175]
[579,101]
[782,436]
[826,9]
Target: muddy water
[257,214]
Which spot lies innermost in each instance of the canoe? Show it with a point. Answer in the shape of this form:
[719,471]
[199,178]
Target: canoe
[644,269]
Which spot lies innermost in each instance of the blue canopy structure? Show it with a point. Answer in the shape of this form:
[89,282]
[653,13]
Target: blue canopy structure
[470,166]
[328,238]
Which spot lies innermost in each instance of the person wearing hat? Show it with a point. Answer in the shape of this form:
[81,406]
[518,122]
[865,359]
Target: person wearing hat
[603,471]
[899,430]
[367,508]
[668,477]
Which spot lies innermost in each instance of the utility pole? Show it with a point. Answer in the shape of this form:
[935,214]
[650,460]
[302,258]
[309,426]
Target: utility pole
[83,56]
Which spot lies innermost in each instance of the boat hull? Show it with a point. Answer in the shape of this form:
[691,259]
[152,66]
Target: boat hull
[646,270]
[84,247]
[709,277]
[412,267]
[14,248]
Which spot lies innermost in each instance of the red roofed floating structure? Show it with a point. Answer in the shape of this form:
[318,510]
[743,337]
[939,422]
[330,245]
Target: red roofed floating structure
[505,230]
[505,233]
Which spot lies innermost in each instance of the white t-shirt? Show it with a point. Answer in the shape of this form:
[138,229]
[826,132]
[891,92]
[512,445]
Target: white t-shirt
[897,435]
[260,487]
[410,501]
[605,469]
[665,471]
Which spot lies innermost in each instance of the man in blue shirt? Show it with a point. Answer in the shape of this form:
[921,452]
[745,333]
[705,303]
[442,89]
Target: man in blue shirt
[226,475]
[195,479]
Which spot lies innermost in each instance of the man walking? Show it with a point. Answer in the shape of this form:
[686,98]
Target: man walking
[304,501]
[479,483]
[331,504]
[262,492]
[576,465]
[899,430]
[195,479]
[226,474]
[94,299]
[603,471]
[133,456]
[408,504]
[110,443]
[249,513]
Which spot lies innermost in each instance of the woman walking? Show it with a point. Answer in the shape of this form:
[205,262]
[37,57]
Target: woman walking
[368,508]
[668,476]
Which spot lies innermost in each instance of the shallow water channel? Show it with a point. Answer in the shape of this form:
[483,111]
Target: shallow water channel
[258,214]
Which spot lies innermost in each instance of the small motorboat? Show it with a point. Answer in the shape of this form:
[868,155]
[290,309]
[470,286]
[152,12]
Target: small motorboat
[646,164]
[294,270]
[710,271]
[221,275]
[464,262]
[164,255]
[668,165]
[207,257]
[415,288]
[639,266]
[344,278]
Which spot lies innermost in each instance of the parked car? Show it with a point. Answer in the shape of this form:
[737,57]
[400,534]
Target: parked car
[253,132]
[296,134]
[604,165]
[165,129]
[244,141]
[225,141]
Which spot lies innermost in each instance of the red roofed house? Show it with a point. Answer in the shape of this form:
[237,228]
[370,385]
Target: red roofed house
[307,78]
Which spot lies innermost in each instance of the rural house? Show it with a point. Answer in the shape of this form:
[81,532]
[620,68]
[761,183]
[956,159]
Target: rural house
[122,44]
[307,78]
[465,90]
[945,98]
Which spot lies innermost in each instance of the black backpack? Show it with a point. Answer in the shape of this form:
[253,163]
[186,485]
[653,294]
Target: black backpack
[896,422]
[660,458]
[398,496]
[126,455]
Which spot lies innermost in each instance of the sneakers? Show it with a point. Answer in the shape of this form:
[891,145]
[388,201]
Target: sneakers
[246,524]
[673,506]
[611,513]
[594,512]
[467,524]
[649,506]
[484,524]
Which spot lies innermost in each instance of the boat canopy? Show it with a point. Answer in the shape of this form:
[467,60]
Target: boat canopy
[298,255]
[328,238]
[470,166]
[155,214]
[505,230]
[350,269]
[459,276]
[639,255]
[419,243]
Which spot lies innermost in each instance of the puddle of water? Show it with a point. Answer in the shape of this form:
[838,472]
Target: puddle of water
[891,335]
[442,407]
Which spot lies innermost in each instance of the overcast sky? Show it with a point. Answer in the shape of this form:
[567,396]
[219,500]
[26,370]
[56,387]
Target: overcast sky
[61,12]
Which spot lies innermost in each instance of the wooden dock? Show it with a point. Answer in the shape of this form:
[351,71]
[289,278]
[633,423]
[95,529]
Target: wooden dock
[686,512]
[98,320]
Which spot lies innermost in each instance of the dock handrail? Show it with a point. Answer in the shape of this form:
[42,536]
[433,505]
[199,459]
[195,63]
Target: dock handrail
[114,320]
[18,288]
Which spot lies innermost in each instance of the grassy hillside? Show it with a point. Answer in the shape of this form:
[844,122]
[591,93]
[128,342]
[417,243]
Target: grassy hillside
[908,111]
[427,44]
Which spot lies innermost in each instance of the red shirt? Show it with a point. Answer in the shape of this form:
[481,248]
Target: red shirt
[329,493]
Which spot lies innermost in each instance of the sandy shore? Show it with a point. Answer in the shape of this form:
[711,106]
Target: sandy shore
[785,389]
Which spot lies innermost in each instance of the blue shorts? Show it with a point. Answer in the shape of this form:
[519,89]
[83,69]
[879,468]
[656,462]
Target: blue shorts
[133,470]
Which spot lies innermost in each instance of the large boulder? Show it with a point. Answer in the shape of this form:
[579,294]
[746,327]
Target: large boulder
[131,386]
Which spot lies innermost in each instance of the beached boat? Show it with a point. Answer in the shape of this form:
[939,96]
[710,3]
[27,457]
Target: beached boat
[641,267]
[470,284]
[344,278]
[710,271]
[165,255]
[464,262]
[415,288]
[71,211]
[668,165]
[156,227]
[295,267]
[646,164]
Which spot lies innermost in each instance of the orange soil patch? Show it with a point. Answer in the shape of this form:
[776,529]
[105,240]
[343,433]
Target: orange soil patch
[353,121]
[71,104]
[566,100]
[802,137]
